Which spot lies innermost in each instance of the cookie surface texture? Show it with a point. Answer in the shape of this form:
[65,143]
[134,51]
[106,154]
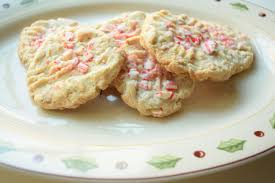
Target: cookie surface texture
[204,50]
[32,37]
[146,86]
[72,67]
[124,26]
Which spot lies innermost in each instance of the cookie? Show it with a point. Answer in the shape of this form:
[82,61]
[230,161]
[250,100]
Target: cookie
[124,26]
[31,38]
[206,51]
[72,66]
[146,86]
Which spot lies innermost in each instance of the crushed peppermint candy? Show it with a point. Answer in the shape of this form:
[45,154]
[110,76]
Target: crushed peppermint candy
[68,45]
[170,85]
[146,85]
[133,73]
[57,62]
[209,46]
[148,64]
[172,95]
[188,41]
[69,36]
[37,42]
[196,40]
[82,67]
[75,61]
[90,45]
[165,95]
[88,57]
[150,76]
[121,27]
[226,40]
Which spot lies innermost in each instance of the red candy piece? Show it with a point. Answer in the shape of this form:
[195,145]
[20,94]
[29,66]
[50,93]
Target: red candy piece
[75,61]
[144,85]
[179,38]
[171,95]
[196,40]
[82,67]
[69,36]
[68,45]
[37,42]
[171,86]
[209,46]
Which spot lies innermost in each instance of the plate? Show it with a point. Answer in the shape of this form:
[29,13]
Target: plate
[222,124]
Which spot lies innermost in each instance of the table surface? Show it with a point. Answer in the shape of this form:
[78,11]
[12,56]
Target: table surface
[261,170]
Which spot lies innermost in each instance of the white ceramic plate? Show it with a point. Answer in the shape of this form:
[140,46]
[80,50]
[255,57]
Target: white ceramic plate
[222,123]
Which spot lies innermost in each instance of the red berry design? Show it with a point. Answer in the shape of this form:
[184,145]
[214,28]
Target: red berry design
[259,133]
[199,154]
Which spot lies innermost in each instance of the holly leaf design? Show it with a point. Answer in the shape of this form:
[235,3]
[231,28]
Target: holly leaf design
[6,147]
[239,6]
[163,162]
[23,2]
[272,121]
[231,145]
[80,164]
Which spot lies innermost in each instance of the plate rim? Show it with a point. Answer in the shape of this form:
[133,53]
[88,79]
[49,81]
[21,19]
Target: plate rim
[184,174]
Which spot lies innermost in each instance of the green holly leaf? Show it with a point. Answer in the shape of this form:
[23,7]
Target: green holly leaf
[272,121]
[231,145]
[163,162]
[80,164]
[239,6]
[23,2]
[6,148]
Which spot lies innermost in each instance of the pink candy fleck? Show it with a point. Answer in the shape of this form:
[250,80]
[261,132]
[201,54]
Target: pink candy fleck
[75,61]
[148,64]
[180,38]
[196,40]
[37,42]
[57,62]
[119,43]
[171,95]
[90,45]
[187,41]
[82,67]
[226,40]
[145,85]
[209,46]
[69,36]
[171,86]
[119,35]
[89,57]
[68,45]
